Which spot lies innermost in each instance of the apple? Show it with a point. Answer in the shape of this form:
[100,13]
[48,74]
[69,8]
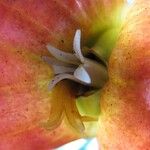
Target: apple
[25,28]
[32,117]
[124,122]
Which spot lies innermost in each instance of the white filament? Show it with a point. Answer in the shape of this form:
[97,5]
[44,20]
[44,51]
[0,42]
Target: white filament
[61,77]
[63,56]
[75,66]
[76,45]
[62,69]
[81,74]
[53,61]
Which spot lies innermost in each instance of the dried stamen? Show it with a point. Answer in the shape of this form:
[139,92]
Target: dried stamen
[82,70]
[62,56]
[76,46]
[85,71]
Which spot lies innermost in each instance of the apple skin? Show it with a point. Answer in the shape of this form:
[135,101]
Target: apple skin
[24,77]
[124,122]
[25,29]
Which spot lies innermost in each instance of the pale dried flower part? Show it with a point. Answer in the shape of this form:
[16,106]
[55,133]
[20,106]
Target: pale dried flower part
[77,68]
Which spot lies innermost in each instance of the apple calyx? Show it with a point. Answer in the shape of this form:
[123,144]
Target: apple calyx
[84,71]
[76,67]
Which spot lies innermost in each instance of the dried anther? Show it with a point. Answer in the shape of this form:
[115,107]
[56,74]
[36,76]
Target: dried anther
[75,66]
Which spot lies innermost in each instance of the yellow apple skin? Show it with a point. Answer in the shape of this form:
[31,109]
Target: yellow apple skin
[124,122]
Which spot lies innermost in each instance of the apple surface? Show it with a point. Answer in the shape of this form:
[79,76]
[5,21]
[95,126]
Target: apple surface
[34,118]
[125,103]
[26,27]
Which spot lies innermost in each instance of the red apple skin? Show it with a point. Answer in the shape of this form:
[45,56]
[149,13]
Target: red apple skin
[25,29]
[125,103]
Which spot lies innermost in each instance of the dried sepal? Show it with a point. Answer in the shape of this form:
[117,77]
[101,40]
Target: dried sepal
[77,68]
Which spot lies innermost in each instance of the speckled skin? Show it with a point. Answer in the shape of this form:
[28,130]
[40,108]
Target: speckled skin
[25,29]
[125,103]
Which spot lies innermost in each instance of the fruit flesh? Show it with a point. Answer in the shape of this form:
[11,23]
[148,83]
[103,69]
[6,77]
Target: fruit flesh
[125,103]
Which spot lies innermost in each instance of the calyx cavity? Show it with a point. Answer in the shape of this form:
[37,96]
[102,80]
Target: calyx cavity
[75,66]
